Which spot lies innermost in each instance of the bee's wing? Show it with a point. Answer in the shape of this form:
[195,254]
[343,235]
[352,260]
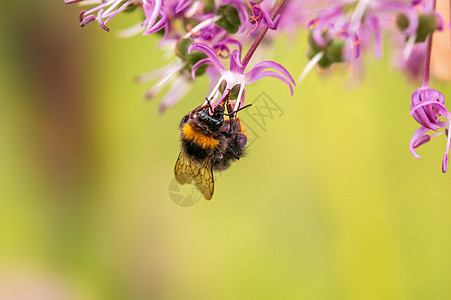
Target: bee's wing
[204,179]
[201,175]
[183,169]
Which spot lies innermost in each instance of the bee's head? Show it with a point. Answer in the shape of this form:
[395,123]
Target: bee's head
[215,121]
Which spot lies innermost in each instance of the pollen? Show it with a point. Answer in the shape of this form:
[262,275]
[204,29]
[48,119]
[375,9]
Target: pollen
[198,137]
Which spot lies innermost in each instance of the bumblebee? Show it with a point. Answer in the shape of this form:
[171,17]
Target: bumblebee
[209,142]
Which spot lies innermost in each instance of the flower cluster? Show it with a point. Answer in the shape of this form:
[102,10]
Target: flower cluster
[340,32]
[221,26]
[201,34]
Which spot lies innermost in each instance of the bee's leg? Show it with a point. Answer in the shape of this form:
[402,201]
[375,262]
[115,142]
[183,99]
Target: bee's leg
[232,152]
[232,126]
[231,117]
[237,124]
[230,110]
[197,109]
[209,105]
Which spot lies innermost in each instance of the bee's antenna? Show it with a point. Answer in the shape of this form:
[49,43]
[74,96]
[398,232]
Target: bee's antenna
[241,108]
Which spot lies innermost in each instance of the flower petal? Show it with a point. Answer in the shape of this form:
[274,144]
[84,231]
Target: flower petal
[419,138]
[182,5]
[258,68]
[441,108]
[428,114]
[275,75]
[235,62]
[200,63]
[178,89]
[375,25]
[151,12]
[445,161]
[210,53]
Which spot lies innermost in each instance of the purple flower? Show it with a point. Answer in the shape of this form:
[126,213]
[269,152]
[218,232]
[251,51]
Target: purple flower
[427,116]
[152,10]
[427,108]
[206,28]
[235,77]
[173,73]
[106,10]
[223,49]
[213,24]
[260,16]
[293,16]
[185,8]
[242,12]
[416,22]
[182,6]
[413,66]
[341,31]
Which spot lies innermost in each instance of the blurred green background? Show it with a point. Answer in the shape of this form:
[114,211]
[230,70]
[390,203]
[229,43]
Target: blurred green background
[328,204]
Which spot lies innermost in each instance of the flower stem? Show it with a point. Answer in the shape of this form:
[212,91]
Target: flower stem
[427,61]
[261,35]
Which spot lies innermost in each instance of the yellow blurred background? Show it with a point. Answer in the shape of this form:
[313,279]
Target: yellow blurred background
[328,204]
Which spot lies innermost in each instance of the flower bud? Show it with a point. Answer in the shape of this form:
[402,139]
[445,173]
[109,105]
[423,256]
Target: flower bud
[427,115]
[427,24]
[181,49]
[230,20]
[332,51]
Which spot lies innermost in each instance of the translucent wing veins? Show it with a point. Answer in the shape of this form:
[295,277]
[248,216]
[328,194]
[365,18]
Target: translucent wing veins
[201,175]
